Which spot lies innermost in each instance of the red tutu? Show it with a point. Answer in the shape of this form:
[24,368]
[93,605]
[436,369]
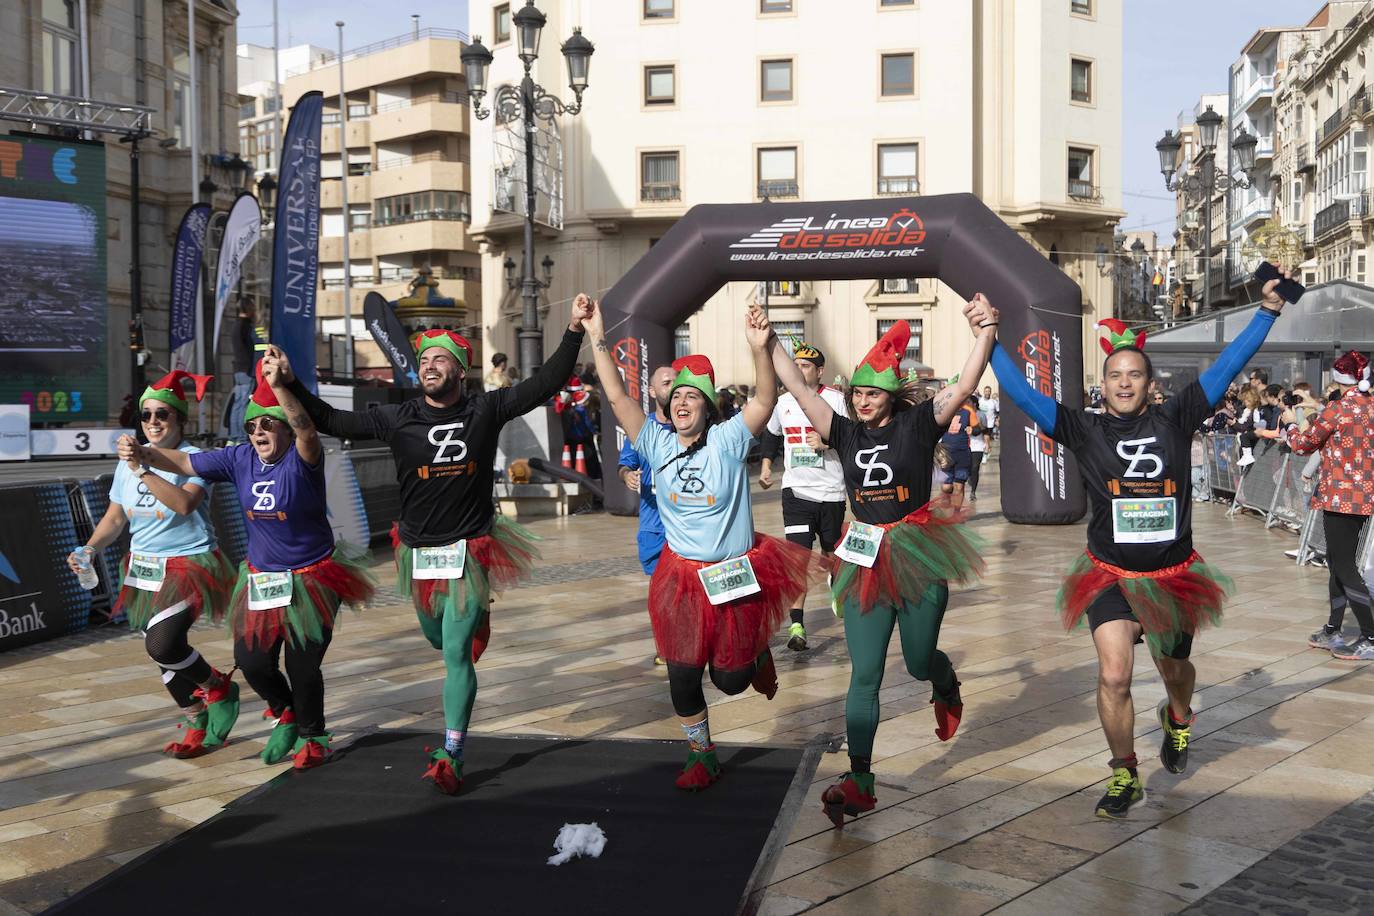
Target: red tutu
[317,591]
[198,580]
[498,561]
[689,630]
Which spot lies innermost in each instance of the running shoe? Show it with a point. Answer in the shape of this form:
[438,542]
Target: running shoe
[282,742]
[949,709]
[765,675]
[445,771]
[1325,638]
[852,795]
[1247,458]
[311,751]
[1174,751]
[192,742]
[796,638]
[658,660]
[1359,649]
[702,769]
[222,703]
[1123,792]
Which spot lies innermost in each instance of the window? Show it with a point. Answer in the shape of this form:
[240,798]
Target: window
[913,347]
[775,6]
[660,85]
[682,341]
[901,287]
[359,217]
[423,205]
[1081,173]
[248,110]
[60,39]
[500,25]
[790,333]
[1081,80]
[897,169]
[660,9]
[358,111]
[775,81]
[1360,262]
[180,79]
[1295,204]
[899,74]
[659,177]
[1081,7]
[777,171]
[897,3]
[780,288]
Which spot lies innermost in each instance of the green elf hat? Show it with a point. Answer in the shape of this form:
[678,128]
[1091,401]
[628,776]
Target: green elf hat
[1119,336]
[451,341]
[264,401]
[879,368]
[168,389]
[695,372]
[803,350]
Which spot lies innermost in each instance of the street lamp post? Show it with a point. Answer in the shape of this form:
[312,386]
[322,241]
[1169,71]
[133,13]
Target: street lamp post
[526,102]
[1204,181]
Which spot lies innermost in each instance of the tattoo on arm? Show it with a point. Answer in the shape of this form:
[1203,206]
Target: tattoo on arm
[601,345]
[941,400]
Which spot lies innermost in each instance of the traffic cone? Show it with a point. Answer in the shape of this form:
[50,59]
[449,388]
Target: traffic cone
[567,457]
[581,462]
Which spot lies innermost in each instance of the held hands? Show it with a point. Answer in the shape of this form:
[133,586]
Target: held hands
[981,316]
[129,450]
[586,315]
[1272,300]
[276,368]
[757,328]
[813,439]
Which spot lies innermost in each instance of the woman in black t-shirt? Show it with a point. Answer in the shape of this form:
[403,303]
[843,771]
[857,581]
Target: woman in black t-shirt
[895,560]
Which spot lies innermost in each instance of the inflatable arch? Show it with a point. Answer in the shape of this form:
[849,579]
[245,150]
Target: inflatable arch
[952,237]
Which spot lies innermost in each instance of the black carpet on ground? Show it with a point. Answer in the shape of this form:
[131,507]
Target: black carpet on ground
[365,834]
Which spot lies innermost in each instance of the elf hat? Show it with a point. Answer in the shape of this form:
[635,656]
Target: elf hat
[802,350]
[1351,369]
[695,372]
[168,389]
[264,401]
[1119,336]
[880,368]
[451,341]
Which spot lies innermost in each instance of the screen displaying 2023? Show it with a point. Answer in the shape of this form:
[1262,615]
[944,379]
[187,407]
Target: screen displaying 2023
[53,315]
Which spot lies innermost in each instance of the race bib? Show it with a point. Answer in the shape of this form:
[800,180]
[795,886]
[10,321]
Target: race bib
[1144,521]
[267,590]
[146,572]
[804,456]
[860,544]
[444,562]
[728,580]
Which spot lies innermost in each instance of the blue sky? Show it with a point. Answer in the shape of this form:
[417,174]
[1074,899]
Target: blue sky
[1175,50]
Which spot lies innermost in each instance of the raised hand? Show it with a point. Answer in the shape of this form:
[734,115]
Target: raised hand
[757,327]
[1272,299]
[813,439]
[129,450]
[583,308]
[979,313]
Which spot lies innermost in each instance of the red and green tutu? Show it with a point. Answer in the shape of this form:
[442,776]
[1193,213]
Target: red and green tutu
[199,581]
[1168,602]
[929,546]
[691,631]
[317,591]
[495,562]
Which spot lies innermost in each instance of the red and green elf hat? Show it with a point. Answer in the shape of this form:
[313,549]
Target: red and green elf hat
[264,401]
[168,389]
[1119,336]
[451,341]
[696,372]
[881,367]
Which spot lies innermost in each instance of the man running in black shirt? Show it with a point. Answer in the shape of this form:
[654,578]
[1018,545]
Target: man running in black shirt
[449,539]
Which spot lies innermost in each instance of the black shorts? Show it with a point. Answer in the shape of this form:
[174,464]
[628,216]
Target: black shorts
[805,521]
[1111,605]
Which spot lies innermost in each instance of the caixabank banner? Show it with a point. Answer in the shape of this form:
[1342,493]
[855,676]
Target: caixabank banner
[40,597]
[952,237]
[53,312]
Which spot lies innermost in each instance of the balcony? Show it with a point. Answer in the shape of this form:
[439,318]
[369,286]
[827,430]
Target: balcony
[899,184]
[660,192]
[329,300]
[331,192]
[357,131]
[1264,147]
[1303,159]
[1261,89]
[1358,107]
[439,114]
[779,189]
[1335,217]
[425,234]
[426,172]
[1257,210]
[1084,191]
[359,247]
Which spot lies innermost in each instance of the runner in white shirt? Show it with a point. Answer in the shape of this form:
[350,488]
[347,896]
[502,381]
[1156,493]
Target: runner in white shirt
[812,480]
[978,442]
[989,406]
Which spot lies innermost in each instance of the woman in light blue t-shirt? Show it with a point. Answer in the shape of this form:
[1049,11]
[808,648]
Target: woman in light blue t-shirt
[173,571]
[720,588]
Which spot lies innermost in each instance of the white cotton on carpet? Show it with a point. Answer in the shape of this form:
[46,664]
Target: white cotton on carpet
[578,840]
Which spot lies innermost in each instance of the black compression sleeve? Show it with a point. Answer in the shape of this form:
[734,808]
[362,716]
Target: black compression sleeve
[345,424]
[770,446]
[547,381]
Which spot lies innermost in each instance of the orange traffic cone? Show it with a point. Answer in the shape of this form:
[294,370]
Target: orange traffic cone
[581,467]
[567,457]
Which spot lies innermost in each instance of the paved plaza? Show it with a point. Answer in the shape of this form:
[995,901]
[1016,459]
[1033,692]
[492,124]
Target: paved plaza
[1001,818]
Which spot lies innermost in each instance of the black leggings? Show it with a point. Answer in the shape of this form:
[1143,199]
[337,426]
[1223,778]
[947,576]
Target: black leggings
[1339,602]
[684,685]
[1342,540]
[183,668]
[304,694]
[973,472]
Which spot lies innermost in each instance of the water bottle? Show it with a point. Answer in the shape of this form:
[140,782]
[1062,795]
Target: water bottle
[85,573]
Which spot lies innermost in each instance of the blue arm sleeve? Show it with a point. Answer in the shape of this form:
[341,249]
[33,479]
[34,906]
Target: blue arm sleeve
[1039,407]
[1233,359]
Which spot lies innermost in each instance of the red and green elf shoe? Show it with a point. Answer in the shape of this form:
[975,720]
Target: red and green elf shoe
[949,709]
[852,795]
[701,770]
[282,742]
[222,703]
[445,771]
[311,751]
[192,743]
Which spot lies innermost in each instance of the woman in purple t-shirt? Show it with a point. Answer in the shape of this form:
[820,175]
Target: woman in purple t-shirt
[295,577]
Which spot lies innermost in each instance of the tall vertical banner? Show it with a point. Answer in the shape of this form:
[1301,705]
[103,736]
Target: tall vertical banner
[53,314]
[295,249]
[186,258]
[241,232]
[386,329]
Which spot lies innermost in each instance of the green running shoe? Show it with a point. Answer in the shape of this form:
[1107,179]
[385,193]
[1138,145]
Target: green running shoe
[796,638]
[1174,751]
[1123,791]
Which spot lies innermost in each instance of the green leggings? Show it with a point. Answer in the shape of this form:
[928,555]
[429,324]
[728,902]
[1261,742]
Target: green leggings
[451,631]
[868,636]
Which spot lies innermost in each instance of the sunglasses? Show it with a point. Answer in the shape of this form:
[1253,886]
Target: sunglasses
[267,424]
[161,415]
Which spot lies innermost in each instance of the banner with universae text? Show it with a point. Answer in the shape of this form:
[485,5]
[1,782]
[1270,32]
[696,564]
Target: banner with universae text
[295,254]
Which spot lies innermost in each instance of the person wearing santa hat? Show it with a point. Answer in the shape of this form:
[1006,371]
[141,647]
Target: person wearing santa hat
[720,588]
[452,549]
[895,561]
[295,576]
[1140,578]
[174,570]
[574,407]
[1345,494]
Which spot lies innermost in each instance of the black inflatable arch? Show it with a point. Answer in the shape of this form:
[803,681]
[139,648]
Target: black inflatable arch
[952,237]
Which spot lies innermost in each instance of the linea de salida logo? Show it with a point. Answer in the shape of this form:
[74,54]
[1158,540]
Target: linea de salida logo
[901,229]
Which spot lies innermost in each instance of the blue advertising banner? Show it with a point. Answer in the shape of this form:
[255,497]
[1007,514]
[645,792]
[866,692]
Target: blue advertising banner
[295,253]
[186,258]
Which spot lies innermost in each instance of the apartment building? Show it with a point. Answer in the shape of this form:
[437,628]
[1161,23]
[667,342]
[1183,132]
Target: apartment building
[405,155]
[1192,249]
[690,102]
